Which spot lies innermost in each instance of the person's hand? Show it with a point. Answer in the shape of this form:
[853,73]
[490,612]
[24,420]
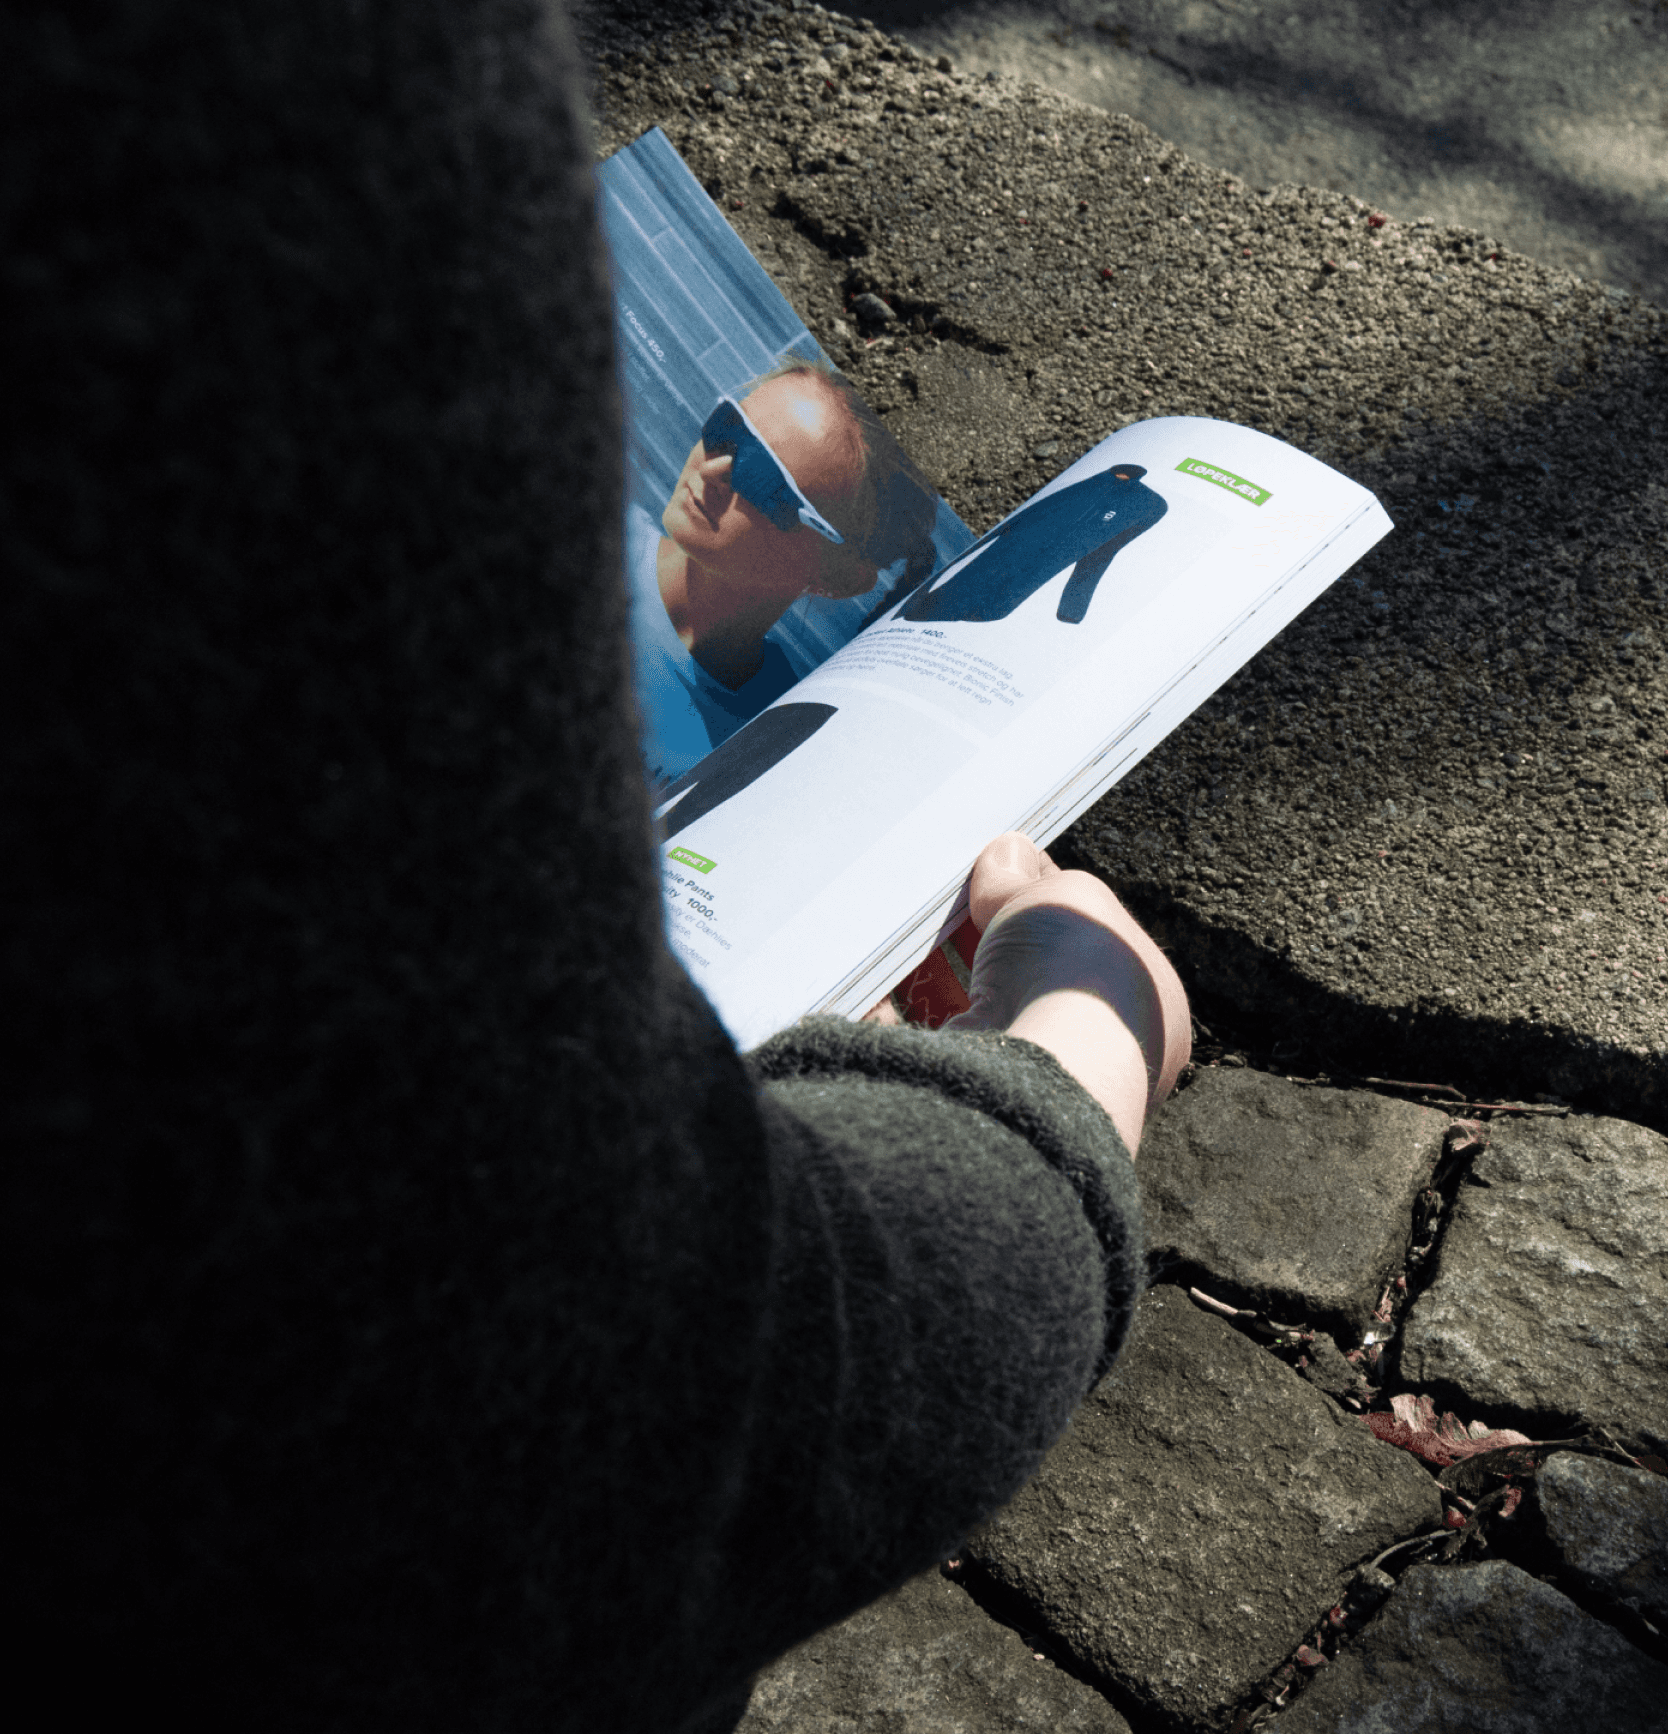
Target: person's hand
[1063,964]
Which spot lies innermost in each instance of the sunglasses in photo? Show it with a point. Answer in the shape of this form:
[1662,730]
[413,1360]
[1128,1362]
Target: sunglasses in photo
[757,474]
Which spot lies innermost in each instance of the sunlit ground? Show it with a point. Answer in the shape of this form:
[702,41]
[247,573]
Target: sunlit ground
[1544,124]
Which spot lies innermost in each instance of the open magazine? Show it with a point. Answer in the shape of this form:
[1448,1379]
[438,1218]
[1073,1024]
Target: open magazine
[845,695]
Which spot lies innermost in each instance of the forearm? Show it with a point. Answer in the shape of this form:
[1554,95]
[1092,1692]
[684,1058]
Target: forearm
[958,1251]
[1015,1088]
[1098,1048]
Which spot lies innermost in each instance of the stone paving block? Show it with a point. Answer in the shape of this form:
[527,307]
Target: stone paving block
[1483,1649]
[1608,1524]
[1202,1512]
[925,1659]
[1298,1200]
[1551,1293]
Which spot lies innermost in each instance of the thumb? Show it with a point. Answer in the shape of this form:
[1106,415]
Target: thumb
[1006,866]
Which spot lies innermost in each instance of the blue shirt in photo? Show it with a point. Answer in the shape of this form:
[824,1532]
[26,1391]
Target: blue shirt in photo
[685,712]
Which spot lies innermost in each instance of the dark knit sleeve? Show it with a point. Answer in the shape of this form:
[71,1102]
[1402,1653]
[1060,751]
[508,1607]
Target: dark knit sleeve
[813,1071]
[419,1314]
[955,1253]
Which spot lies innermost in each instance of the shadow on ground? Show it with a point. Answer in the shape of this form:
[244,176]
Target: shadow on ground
[1456,792]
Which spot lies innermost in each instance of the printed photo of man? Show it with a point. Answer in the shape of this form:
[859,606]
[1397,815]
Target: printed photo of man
[792,489]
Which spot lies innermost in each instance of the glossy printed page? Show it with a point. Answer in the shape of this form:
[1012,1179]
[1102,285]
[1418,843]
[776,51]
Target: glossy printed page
[769,514]
[817,857]
[1159,505]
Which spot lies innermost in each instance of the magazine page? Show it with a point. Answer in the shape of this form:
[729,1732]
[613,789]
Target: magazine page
[822,851]
[769,514]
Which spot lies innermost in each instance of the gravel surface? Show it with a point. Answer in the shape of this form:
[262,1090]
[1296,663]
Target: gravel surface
[1544,123]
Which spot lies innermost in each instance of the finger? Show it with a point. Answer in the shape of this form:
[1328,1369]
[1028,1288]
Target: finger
[883,1011]
[1005,867]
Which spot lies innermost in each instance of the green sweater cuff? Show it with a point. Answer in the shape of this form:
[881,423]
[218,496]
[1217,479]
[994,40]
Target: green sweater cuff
[1021,1087]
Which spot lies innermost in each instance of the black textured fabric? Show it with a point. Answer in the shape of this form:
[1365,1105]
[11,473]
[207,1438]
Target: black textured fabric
[414,1318]
[1018,1085]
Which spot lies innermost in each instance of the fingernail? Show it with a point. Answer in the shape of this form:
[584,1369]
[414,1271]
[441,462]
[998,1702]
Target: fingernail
[1017,853]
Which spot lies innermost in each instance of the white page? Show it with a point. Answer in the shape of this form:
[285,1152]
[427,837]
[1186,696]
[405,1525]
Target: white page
[822,880]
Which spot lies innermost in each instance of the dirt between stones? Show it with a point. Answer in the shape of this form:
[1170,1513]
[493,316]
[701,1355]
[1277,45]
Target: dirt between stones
[1421,837]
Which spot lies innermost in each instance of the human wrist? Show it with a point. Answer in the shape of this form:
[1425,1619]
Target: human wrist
[1097,1048]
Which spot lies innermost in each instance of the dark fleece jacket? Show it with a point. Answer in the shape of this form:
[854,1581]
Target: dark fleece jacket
[418,1314]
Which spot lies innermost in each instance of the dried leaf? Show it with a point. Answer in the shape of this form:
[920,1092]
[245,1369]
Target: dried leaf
[1413,1425]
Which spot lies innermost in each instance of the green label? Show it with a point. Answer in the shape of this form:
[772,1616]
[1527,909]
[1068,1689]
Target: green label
[690,859]
[1224,479]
